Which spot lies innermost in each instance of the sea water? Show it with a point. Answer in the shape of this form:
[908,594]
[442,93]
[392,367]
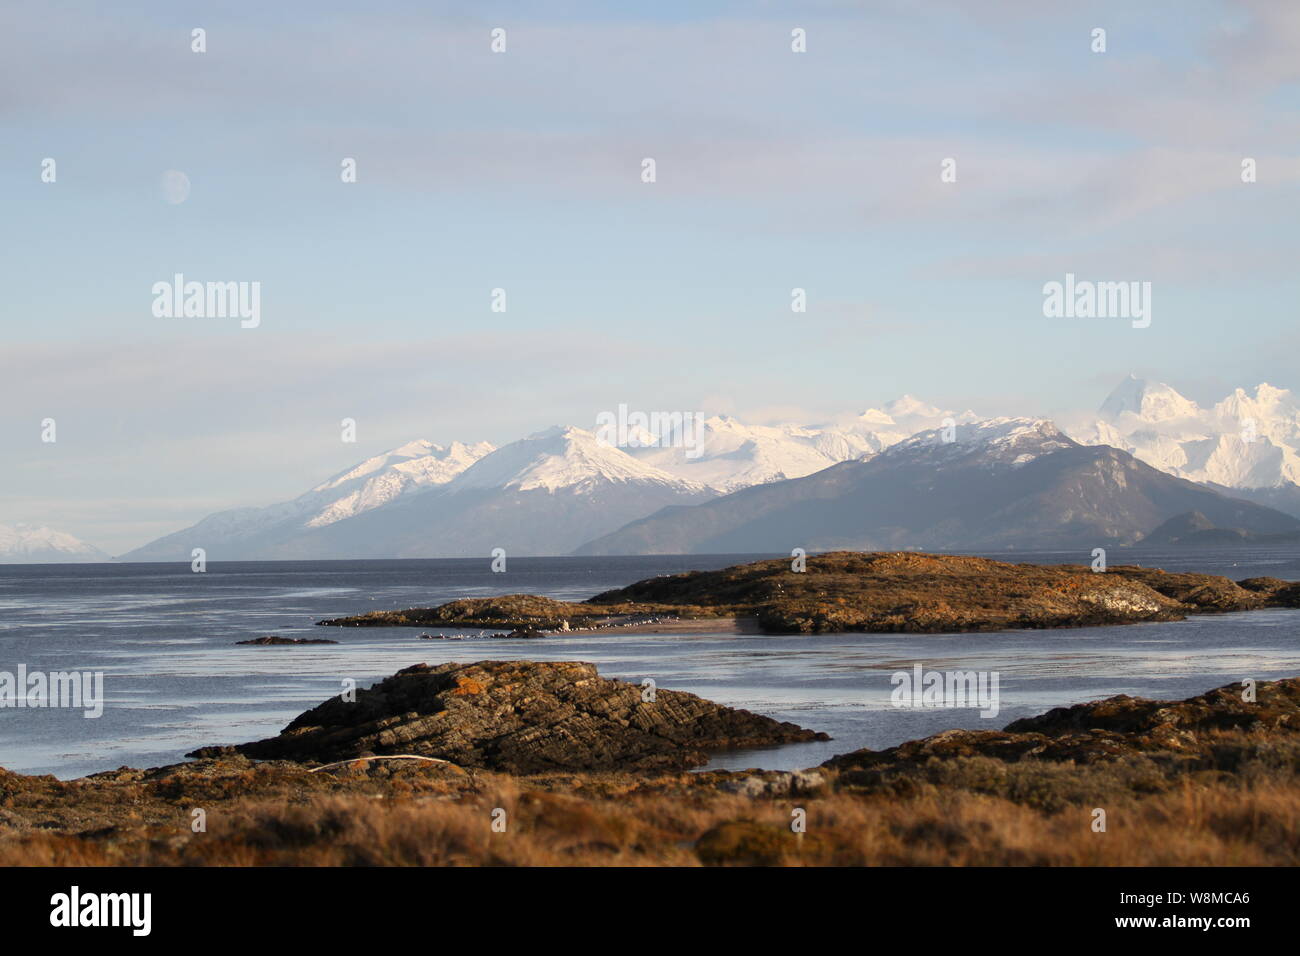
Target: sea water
[174,679]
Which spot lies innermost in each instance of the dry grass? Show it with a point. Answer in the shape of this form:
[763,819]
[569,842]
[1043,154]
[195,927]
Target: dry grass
[971,812]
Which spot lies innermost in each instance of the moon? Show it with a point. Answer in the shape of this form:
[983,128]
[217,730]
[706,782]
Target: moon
[174,186]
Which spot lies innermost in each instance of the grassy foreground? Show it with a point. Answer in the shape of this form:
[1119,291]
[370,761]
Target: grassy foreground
[1239,806]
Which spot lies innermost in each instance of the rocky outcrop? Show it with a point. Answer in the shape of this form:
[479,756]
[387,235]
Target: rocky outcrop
[874,592]
[1203,592]
[1267,706]
[276,641]
[1185,731]
[508,610]
[520,717]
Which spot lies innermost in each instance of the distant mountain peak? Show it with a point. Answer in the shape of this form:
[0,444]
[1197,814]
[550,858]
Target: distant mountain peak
[908,406]
[412,449]
[876,416]
[1016,440]
[37,544]
[456,457]
[562,457]
[1152,401]
[416,466]
[1267,402]
[1248,440]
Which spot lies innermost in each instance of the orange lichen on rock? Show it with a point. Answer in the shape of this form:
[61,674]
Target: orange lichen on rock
[466,686]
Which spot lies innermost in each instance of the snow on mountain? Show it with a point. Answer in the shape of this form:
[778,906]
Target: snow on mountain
[879,428]
[842,445]
[415,467]
[422,499]
[732,455]
[1148,401]
[379,480]
[37,544]
[1244,441]
[987,485]
[560,487]
[542,495]
[1228,460]
[1271,413]
[997,441]
[562,457]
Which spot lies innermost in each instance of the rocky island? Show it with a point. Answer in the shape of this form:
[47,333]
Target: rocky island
[868,592]
[520,717]
[274,640]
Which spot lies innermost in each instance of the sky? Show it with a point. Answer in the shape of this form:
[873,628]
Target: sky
[522,170]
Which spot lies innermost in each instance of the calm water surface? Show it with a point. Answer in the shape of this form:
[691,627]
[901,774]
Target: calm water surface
[164,637]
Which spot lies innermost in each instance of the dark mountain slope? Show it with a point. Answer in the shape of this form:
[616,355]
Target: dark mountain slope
[1003,484]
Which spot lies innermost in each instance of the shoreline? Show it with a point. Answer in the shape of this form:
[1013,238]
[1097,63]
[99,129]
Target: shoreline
[1022,796]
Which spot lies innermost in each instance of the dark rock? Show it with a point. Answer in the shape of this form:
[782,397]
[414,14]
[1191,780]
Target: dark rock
[1276,707]
[527,632]
[268,641]
[1106,730]
[508,610]
[1288,596]
[521,717]
[1266,585]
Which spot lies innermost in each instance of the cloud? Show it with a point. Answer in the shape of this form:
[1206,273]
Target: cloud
[823,167]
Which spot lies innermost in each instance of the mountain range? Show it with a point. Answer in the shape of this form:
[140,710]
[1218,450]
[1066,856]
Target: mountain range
[35,544]
[991,485]
[908,474]
[1246,441]
[548,493]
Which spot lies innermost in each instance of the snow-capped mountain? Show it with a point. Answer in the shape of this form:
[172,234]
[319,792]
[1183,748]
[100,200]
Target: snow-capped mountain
[1147,402]
[1271,413]
[912,415]
[989,485]
[1245,441]
[37,544]
[559,488]
[993,442]
[731,455]
[566,458]
[876,429]
[376,482]
[544,494]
